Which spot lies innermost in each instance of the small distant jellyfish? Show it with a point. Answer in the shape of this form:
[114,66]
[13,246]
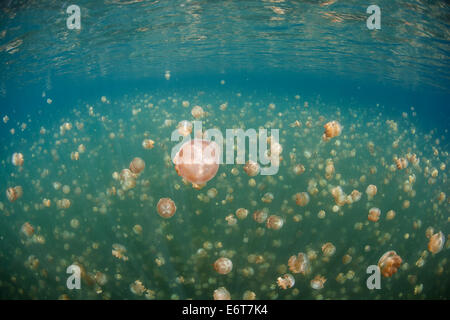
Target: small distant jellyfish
[81,148]
[299,263]
[302,199]
[166,208]
[221,294]
[249,295]
[27,229]
[371,191]
[318,282]
[328,249]
[287,281]
[197,112]
[436,242]
[390,215]
[241,213]
[274,222]
[148,144]
[17,159]
[251,168]
[46,202]
[137,165]
[185,103]
[401,163]
[299,169]
[184,128]
[63,203]
[346,259]
[374,214]
[137,288]
[260,216]
[223,265]
[75,156]
[14,193]
[332,129]
[389,263]
[167,75]
[267,197]
[197,161]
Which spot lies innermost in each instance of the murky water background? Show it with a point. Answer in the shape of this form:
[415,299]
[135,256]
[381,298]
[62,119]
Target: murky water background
[287,65]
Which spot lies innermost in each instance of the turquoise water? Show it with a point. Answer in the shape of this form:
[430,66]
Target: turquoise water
[291,66]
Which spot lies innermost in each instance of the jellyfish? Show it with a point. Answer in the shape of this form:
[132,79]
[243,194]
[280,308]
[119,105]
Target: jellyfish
[223,265]
[221,294]
[401,163]
[251,168]
[302,199]
[286,281]
[390,215]
[328,249]
[27,229]
[137,288]
[148,144]
[389,263]
[374,214]
[318,282]
[332,129]
[299,263]
[299,169]
[241,213]
[260,216]
[197,161]
[436,242]
[274,222]
[184,128]
[166,207]
[197,112]
[17,159]
[371,191]
[14,193]
[119,251]
[137,165]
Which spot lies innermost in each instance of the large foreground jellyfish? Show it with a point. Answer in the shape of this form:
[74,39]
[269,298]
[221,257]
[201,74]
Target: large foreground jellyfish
[197,161]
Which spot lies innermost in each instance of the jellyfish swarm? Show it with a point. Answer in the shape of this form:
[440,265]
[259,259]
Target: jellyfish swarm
[197,161]
[389,263]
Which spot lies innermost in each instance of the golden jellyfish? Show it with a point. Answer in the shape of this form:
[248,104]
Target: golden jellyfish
[346,259]
[267,197]
[328,249]
[241,213]
[371,191]
[332,129]
[46,202]
[401,163]
[75,156]
[436,242]
[286,281]
[389,263]
[14,193]
[260,216]
[302,199]
[251,168]
[329,169]
[374,214]
[27,229]
[274,222]
[355,196]
[339,196]
[137,165]
[197,112]
[137,288]
[299,169]
[318,282]
[223,265]
[197,161]
[184,128]
[166,207]
[63,203]
[299,263]
[17,159]
[148,144]
[221,294]
[390,215]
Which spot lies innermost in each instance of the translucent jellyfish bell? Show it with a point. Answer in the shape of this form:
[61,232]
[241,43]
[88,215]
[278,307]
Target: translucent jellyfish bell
[197,161]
